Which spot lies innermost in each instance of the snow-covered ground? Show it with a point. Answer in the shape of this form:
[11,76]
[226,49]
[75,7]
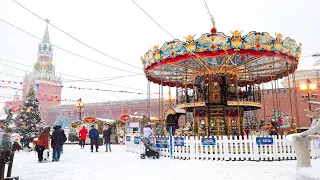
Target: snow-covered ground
[81,164]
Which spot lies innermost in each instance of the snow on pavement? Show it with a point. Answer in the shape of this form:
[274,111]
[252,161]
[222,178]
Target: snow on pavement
[81,164]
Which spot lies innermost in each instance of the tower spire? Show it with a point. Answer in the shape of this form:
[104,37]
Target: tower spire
[46,38]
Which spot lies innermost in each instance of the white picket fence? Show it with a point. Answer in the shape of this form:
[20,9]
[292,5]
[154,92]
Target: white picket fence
[227,148]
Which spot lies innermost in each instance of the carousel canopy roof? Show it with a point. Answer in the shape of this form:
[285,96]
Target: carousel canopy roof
[255,58]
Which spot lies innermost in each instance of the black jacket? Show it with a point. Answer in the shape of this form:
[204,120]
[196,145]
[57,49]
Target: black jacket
[58,138]
[107,135]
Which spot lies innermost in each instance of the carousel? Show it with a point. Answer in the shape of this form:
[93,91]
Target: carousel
[217,77]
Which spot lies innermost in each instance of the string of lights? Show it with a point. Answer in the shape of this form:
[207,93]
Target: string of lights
[81,78]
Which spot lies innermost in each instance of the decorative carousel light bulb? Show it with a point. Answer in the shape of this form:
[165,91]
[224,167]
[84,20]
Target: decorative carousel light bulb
[303,87]
[312,86]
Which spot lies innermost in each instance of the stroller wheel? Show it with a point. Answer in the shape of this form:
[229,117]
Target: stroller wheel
[142,156]
[154,157]
[157,156]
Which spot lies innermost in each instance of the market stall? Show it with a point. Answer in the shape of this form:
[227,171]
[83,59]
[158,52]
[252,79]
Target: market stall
[88,122]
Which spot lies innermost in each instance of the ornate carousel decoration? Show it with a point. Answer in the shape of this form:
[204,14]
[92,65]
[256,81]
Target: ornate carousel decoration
[217,76]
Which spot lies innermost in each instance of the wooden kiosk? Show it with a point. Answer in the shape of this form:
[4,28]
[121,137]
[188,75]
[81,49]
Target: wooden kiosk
[88,122]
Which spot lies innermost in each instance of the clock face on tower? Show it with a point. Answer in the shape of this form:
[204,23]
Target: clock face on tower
[49,67]
[45,47]
[37,66]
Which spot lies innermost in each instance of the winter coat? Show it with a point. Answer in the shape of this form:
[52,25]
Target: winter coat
[43,141]
[58,138]
[83,133]
[94,134]
[121,133]
[147,132]
[107,135]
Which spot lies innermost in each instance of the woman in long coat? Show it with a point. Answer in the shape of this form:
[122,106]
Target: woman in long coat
[107,137]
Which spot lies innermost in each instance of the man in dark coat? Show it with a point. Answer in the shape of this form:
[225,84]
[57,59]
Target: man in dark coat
[107,137]
[94,138]
[57,139]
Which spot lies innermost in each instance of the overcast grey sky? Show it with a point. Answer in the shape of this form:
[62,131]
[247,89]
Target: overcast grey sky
[121,30]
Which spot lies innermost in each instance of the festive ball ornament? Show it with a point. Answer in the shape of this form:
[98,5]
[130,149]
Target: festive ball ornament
[213,31]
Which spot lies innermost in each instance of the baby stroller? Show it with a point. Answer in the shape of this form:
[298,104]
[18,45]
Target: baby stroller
[150,150]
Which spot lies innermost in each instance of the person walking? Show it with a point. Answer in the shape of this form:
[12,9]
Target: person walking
[82,136]
[42,143]
[107,137]
[57,139]
[94,138]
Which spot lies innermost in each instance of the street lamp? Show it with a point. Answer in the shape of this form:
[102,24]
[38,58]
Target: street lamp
[308,87]
[79,105]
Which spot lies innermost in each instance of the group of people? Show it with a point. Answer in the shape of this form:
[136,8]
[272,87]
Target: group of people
[58,138]
[94,137]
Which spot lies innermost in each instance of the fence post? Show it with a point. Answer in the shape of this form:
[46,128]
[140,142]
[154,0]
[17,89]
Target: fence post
[171,150]
[255,148]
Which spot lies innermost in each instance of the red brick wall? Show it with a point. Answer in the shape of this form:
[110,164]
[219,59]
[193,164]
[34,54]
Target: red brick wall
[284,98]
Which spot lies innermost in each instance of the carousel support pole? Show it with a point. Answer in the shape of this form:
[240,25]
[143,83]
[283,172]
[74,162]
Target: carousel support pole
[194,104]
[159,103]
[149,98]
[177,94]
[207,127]
[264,104]
[208,104]
[289,92]
[171,144]
[272,92]
[161,94]
[296,100]
[185,95]
[240,131]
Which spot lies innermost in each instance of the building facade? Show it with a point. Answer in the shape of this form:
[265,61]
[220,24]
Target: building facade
[291,102]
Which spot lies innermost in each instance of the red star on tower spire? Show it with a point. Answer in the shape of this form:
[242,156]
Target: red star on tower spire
[47,20]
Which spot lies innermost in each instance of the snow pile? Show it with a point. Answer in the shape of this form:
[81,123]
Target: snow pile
[308,173]
[81,164]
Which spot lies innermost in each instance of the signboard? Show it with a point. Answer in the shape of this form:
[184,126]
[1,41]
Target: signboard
[134,124]
[136,140]
[89,120]
[128,138]
[208,141]
[178,141]
[264,140]
[161,142]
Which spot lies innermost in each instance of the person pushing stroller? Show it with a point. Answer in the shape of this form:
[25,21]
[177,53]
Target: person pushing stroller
[150,150]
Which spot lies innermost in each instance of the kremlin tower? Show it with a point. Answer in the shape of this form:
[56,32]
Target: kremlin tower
[43,78]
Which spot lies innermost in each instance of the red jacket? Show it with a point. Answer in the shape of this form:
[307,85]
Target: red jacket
[83,133]
[43,141]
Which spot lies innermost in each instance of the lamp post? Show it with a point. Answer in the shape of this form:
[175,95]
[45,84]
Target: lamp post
[80,105]
[308,87]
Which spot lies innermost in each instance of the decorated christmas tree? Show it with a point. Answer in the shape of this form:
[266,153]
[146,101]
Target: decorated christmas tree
[29,118]
[9,118]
